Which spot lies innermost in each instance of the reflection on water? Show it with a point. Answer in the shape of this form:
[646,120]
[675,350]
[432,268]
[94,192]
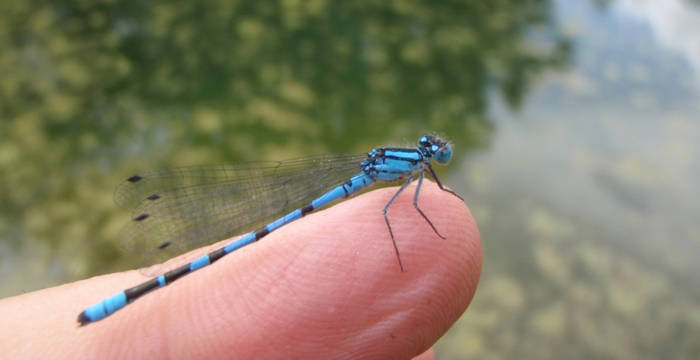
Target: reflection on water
[587,203]
[577,125]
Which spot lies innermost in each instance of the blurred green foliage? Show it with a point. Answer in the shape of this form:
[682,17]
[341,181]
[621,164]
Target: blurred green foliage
[94,90]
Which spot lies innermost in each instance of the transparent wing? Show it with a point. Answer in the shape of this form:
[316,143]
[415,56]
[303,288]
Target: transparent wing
[180,209]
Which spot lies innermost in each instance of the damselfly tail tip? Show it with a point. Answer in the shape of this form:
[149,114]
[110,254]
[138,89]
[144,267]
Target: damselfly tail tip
[83,319]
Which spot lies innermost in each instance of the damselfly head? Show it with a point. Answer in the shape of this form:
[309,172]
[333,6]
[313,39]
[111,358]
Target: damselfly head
[435,147]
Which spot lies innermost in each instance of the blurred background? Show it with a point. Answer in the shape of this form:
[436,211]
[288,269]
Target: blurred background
[576,127]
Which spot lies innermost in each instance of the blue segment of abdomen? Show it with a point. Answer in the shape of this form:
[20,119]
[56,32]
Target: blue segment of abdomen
[355,183]
[296,214]
[200,262]
[106,307]
[240,243]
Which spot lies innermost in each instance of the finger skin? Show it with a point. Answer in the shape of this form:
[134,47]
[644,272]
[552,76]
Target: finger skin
[326,286]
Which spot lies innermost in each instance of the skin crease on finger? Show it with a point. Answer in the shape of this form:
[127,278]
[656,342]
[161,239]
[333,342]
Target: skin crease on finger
[326,286]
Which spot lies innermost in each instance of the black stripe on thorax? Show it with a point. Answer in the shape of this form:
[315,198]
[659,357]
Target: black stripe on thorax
[397,172]
[406,150]
[412,161]
[403,150]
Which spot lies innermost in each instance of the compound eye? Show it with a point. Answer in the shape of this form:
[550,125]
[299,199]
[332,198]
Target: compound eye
[443,155]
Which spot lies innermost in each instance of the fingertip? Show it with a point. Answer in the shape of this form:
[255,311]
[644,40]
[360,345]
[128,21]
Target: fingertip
[343,259]
[331,278]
